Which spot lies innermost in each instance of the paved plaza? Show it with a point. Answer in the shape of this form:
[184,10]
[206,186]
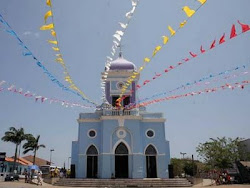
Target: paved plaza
[25,185]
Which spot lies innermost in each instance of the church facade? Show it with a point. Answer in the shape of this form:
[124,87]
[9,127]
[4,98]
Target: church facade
[120,143]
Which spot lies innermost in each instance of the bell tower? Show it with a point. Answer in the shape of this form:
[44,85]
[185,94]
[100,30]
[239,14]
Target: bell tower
[120,70]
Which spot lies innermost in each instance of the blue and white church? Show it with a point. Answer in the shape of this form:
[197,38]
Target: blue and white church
[120,143]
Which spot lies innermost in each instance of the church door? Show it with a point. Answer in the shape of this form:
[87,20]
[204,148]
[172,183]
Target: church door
[121,161]
[151,162]
[92,162]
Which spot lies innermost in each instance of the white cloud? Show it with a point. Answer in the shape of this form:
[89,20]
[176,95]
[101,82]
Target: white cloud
[27,33]
[36,35]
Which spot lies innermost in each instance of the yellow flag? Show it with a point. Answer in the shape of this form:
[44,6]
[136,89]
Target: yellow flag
[48,14]
[141,68]
[146,59]
[183,23]
[47,27]
[157,49]
[48,3]
[189,12]
[60,60]
[202,1]
[58,55]
[133,76]
[53,42]
[171,30]
[165,39]
[53,33]
[55,48]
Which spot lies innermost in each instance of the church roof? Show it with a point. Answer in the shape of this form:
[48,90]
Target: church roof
[122,64]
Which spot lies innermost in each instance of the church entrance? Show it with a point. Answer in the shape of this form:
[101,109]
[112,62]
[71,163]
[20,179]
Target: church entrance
[151,162]
[121,161]
[92,162]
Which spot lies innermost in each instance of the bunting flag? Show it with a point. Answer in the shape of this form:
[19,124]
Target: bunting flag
[27,52]
[12,88]
[47,27]
[189,12]
[233,32]
[244,27]
[56,48]
[193,55]
[233,86]
[117,43]
[199,82]
[222,39]
[48,14]
[202,1]
[213,44]
[172,32]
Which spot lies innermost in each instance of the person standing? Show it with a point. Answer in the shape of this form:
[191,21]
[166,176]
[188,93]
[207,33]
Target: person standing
[39,178]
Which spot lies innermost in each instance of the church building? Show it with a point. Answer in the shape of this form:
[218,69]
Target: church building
[120,143]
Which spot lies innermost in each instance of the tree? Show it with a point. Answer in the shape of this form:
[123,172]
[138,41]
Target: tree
[220,153]
[32,145]
[15,136]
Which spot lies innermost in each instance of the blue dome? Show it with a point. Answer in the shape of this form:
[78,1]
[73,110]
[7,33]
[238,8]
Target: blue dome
[122,64]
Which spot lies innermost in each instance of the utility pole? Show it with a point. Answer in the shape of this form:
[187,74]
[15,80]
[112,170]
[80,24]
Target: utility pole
[183,154]
[50,156]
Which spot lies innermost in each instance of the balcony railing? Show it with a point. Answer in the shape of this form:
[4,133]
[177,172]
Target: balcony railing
[114,112]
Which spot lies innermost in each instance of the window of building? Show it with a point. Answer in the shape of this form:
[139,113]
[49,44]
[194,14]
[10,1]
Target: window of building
[92,133]
[150,133]
[150,150]
[92,150]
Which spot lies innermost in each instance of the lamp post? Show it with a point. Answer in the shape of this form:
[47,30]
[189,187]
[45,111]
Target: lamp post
[68,162]
[183,154]
[51,156]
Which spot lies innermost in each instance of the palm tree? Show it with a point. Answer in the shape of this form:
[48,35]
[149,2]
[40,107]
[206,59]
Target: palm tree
[15,136]
[32,145]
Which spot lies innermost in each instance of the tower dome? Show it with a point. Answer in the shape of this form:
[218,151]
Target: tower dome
[122,64]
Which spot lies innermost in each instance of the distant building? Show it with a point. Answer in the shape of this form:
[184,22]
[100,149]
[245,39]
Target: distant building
[8,165]
[38,161]
[121,143]
[245,150]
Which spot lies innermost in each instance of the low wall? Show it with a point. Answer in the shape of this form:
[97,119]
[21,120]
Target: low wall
[195,181]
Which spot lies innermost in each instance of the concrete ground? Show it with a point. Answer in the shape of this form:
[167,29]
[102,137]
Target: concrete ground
[21,184]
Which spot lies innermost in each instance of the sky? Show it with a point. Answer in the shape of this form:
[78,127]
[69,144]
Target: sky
[85,28]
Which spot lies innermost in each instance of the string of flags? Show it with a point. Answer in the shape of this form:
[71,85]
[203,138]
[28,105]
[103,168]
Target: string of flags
[27,52]
[165,39]
[117,38]
[203,81]
[233,86]
[193,55]
[55,46]
[39,98]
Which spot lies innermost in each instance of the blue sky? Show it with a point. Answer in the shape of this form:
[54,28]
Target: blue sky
[85,30]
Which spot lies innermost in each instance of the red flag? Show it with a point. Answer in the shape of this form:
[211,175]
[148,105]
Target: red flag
[171,67]
[145,82]
[202,50]
[233,32]
[180,63]
[166,70]
[212,45]
[138,86]
[222,39]
[192,54]
[244,27]
[186,59]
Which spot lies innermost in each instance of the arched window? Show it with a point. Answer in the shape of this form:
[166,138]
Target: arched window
[92,150]
[121,149]
[150,150]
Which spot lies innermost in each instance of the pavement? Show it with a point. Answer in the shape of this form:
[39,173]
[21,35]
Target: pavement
[21,184]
